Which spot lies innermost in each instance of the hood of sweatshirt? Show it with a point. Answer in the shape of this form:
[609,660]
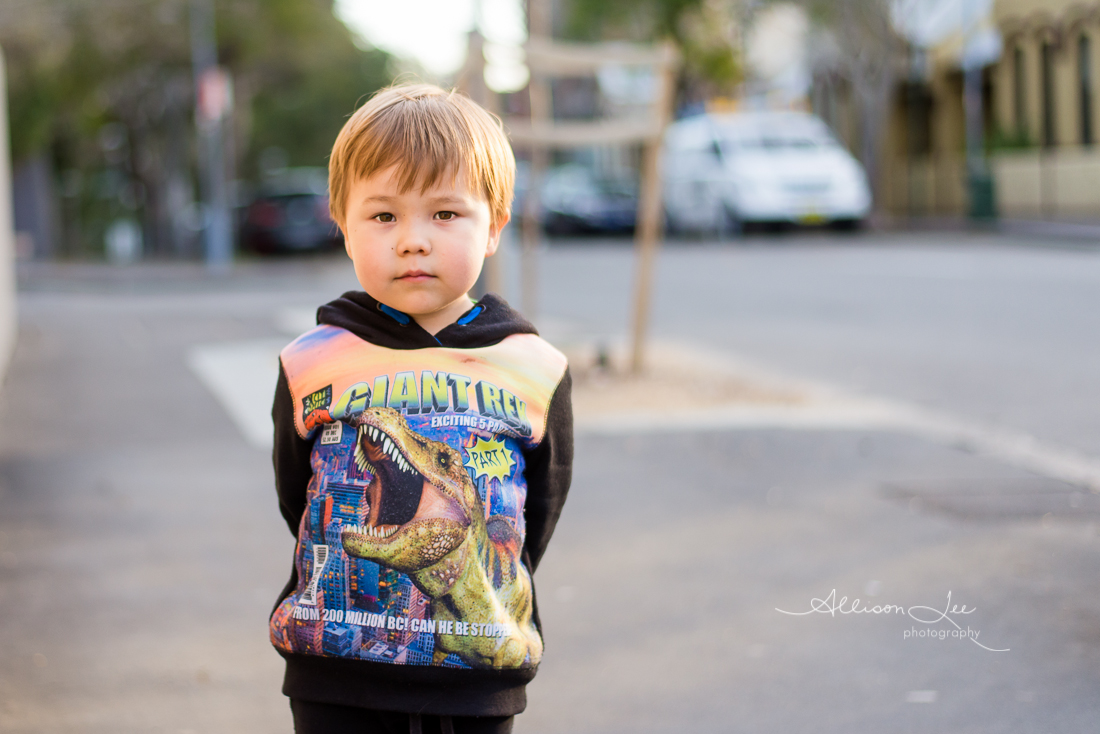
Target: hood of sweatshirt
[488,322]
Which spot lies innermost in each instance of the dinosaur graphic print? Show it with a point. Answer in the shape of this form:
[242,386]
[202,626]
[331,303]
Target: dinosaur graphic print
[409,551]
[425,519]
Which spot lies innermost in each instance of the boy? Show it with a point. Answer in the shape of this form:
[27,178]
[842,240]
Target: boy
[423,443]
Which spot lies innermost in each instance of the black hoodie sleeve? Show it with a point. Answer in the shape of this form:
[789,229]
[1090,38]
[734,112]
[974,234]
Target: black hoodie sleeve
[290,455]
[549,472]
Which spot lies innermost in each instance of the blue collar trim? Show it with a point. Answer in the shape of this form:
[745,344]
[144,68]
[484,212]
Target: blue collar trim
[393,313]
[473,314]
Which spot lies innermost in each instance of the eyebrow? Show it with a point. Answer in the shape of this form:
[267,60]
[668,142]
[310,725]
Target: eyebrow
[445,199]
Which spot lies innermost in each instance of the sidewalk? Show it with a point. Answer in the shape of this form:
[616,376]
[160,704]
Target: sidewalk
[1062,231]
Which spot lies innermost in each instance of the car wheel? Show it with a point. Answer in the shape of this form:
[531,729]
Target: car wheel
[846,225]
[673,226]
[558,225]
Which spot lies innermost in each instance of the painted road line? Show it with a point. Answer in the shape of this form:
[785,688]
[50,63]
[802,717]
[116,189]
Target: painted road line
[242,376]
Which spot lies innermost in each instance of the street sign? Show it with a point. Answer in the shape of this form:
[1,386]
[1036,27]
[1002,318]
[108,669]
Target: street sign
[215,95]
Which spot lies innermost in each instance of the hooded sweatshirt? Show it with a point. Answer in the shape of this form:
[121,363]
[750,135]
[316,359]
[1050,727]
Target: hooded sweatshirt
[422,476]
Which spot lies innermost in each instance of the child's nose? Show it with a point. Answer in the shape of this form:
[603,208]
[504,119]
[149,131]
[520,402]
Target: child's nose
[413,239]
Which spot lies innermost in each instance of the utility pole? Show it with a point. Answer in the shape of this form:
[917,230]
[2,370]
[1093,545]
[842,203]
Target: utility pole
[976,167]
[982,47]
[471,80]
[213,103]
[746,9]
[8,318]
[538,27]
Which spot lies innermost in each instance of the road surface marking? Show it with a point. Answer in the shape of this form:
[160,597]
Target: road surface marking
[242,376]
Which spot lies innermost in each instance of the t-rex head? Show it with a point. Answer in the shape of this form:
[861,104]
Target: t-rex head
[421,500]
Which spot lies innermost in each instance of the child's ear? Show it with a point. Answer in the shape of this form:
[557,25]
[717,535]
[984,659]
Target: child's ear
[494,233]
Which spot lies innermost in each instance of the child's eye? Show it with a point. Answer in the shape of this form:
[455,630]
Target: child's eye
[445,216]
[385,217]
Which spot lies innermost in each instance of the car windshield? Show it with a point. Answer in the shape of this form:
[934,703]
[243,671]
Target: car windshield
[575,181]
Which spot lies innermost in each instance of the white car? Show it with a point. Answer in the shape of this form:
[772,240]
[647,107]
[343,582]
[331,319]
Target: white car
[725,171]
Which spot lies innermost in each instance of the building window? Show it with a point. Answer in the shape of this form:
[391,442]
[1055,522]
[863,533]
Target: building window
[1047,71]
[1019,87]
[1084,80]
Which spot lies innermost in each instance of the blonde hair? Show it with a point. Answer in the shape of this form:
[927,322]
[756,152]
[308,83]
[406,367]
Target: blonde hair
[428,133]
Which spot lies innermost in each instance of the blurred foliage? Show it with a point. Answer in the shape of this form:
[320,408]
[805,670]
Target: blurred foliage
[303,71]
[297,69]
[1008,140]
[75,64]
[706,31]
[855,42]
[104,90]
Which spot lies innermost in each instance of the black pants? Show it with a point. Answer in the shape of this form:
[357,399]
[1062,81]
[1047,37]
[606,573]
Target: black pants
[326,718]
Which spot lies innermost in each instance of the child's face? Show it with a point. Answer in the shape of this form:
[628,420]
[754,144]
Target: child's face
[419,253]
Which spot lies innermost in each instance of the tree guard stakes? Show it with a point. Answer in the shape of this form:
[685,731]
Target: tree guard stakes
[540,133]
[471,80]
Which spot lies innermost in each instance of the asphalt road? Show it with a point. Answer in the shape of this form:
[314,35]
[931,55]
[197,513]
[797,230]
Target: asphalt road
[997,329]
[141,547]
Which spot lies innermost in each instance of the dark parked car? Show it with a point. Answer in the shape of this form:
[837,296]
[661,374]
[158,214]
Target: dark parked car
[290,214]
[575,201]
